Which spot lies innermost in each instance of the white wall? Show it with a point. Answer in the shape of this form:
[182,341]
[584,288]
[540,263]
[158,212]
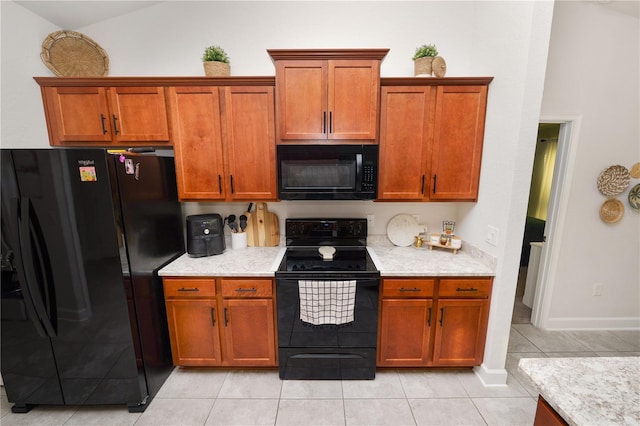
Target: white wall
[594,75]
[504,39]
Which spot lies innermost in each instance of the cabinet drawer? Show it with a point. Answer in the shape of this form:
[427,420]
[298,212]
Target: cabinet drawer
[408,288]
[189,288]
[246,288]
[465,288]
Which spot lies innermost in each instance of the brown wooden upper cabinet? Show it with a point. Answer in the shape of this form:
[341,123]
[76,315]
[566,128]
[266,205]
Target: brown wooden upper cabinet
[431,137]
[327,96]
[224,141]
[92,112]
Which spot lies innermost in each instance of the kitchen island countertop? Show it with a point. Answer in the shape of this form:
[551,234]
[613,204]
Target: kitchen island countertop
[390,260]
[589,391]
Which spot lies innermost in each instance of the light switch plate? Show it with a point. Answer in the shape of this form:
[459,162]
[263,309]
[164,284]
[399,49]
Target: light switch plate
[492,235]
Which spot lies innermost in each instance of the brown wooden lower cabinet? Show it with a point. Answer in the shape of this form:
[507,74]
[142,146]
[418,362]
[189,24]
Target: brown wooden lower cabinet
[546,415]
[433,322]
[194,332]
[221,322]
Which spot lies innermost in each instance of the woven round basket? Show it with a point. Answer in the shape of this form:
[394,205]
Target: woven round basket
[439,66]
[71,54]
[613,180]
[611,210]
[422,66]
[216,69]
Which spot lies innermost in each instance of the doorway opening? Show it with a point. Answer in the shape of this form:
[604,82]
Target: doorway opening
[537,214]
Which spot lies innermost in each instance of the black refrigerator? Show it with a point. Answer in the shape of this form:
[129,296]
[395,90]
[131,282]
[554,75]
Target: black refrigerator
[84,232]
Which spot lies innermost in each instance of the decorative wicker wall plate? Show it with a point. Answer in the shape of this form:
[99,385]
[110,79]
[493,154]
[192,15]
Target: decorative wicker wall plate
[611,210]
[635,171]
[71,54]
[634,197]
[613,180]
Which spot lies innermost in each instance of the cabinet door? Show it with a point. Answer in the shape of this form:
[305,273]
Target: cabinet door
[193,331]
[139,114]
[77,114]
[302,100]
[457,142]
[460,332]
[197,142]
[250,142]
[405,329]
[249,332]
[354,93]
[405,135]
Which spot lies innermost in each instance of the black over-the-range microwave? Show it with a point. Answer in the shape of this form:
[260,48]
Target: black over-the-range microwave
[327,172]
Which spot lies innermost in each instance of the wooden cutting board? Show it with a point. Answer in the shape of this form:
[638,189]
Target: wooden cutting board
[263,227]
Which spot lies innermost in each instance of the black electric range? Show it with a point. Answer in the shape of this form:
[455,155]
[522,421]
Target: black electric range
[327,289]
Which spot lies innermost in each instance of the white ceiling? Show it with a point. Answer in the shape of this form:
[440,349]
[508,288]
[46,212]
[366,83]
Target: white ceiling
[71,15]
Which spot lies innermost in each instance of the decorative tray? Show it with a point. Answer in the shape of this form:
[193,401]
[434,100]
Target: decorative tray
[72,54]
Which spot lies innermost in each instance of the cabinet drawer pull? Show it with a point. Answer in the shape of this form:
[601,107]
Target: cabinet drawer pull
[213,317]
[220,184]
[330,122]
[231,178]
[189,289]
[466,289]
[409,289]
[226,320]
[102,121]
[422,187]
[441,316]
[324,122]
[435,179]
[429,318]
[115,124]
[246,290]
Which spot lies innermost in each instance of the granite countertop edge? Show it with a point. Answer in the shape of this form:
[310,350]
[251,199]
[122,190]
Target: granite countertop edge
[588,391]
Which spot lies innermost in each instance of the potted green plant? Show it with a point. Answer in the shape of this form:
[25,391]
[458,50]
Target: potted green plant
[216,61]
[423,59]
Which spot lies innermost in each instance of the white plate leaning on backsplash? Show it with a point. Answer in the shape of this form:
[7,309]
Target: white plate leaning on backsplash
[402,229]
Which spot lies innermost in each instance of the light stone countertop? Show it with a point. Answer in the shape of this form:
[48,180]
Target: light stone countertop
[390,260]
[589,391]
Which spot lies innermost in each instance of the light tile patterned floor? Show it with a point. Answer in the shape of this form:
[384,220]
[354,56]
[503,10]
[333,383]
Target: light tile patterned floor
[396,397]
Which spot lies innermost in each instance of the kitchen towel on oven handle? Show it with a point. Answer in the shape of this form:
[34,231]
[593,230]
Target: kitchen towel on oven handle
[327,302]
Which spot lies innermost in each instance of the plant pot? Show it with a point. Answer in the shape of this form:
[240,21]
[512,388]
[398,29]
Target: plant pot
[422,66]
[216,69]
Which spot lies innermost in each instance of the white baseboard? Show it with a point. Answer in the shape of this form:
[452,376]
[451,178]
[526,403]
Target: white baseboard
[589,323]
[491,377]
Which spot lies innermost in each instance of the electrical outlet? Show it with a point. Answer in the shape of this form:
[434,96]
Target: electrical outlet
[492,235]
[371,220]
[597,289]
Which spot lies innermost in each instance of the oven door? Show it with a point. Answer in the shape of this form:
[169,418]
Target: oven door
[327,351]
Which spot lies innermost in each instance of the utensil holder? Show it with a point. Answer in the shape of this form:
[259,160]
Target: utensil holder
[238,240]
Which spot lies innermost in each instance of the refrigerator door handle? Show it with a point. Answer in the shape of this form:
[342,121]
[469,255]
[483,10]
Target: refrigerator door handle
[26,292]
[26,232]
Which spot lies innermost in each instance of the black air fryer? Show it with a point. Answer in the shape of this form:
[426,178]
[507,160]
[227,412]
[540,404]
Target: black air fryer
[205,235]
